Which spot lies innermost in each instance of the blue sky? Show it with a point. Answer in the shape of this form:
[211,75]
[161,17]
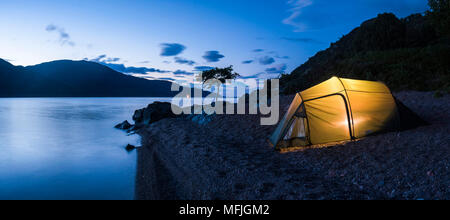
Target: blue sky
[174,38]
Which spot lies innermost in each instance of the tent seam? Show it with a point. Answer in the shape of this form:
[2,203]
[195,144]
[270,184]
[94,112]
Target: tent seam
[307,119]
[352,135]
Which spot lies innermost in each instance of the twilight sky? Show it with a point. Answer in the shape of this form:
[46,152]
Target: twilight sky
[171,39]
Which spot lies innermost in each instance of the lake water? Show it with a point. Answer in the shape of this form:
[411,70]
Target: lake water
[67,148]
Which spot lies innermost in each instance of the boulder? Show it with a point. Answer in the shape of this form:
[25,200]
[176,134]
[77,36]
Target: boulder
[153,113]
[201,119]
[124,126]
[130,147]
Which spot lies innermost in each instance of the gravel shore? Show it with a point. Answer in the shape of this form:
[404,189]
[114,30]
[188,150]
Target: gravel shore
[229,158]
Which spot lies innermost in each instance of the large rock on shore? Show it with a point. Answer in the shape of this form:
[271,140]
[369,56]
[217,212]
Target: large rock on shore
[153,113]
[124,126]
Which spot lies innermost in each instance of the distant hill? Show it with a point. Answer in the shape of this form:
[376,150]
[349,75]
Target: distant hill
[67,78]
[406,54]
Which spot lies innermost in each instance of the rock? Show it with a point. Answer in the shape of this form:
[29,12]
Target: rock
[153,113]
[130,147]
[124,126]
[202,119]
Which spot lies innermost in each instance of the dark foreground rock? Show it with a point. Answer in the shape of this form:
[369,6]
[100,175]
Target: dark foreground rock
[153,113]
[130,147]
[124,126]
[229,158]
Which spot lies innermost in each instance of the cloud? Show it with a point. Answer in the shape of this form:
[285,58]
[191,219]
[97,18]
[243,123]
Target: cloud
[168,50]
[112,60]
[180,60]
[262,75]
[131,69]
[64,37]
[97,59]
[255,76]
[282,57]
[203,68]
[166,79]
[296,10]
[301,40]
[258,50]
[319,15]
[213,56]
[51,28]
[248,61]
[266,60]
[104,59]
[182,72]
[107,61]
[278,69]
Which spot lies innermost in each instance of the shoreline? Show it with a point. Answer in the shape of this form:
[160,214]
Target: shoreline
[229,159]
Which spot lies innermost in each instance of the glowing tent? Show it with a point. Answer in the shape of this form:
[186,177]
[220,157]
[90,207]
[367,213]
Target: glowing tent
[337,110]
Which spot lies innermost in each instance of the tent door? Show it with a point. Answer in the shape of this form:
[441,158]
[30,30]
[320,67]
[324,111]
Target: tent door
[296,133]
[328,119]
[297,129]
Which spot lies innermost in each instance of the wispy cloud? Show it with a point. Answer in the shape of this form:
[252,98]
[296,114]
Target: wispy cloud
[258,50]
[203,68]
[296,10]
[169,49]
[248,61]
[64,37]
[262,75]
[180,60]
[277,69]
[109,62]
[255,76]
[112,60]
[213,56]
[182,73]
[166,79]
[132,69]
[105,59]
[270,73]
[282,57]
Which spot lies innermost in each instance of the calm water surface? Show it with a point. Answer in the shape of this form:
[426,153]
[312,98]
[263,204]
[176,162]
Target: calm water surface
[67,148]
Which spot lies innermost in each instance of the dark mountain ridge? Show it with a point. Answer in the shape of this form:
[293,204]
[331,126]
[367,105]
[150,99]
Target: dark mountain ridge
[406,54]
[66,78]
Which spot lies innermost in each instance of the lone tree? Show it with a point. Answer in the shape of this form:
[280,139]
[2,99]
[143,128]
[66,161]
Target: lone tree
[220,74]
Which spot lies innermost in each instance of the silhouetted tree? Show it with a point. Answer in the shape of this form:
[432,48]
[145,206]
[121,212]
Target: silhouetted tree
[220,74]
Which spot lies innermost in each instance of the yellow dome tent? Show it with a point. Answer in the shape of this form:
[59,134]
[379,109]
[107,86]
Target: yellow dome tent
[337,110]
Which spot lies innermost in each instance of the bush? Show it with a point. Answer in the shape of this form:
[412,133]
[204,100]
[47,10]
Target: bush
[439,15]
